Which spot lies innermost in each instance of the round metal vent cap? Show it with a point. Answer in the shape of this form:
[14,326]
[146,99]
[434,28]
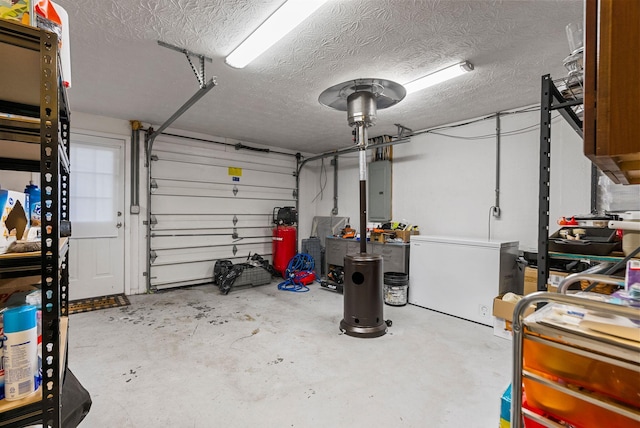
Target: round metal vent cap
[386,93]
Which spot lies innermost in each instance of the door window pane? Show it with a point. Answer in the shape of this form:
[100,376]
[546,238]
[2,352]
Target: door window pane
[94,192]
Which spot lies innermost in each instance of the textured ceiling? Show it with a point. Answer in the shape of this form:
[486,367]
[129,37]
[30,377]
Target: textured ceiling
[120,71]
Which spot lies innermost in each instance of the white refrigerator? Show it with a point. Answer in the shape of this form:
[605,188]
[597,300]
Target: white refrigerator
[459,276]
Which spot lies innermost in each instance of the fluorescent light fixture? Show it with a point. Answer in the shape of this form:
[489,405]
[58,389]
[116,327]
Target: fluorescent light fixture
[438,76]
[283,20]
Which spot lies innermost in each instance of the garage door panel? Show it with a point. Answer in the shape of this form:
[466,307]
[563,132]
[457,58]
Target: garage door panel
[219,190]
[240,232]
[211,254]
[162,204]
[180,150]
[162,242]
[201,213]
[167,274]
[210,222]
[219,174]
[221,160]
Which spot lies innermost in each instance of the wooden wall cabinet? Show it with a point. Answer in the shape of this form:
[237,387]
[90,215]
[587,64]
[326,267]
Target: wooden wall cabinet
[612,88]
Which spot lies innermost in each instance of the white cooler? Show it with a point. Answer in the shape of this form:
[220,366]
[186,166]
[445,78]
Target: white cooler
[460,276]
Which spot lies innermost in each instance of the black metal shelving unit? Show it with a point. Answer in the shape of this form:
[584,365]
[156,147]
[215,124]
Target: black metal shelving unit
[32,89]
[551,99]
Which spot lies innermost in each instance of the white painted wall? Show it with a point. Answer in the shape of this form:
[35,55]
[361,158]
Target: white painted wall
[17,180]
[314,193]
[446,185]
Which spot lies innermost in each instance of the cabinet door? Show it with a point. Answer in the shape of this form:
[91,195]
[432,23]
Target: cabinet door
[353,247]
[393,256]
[335,251]
[612,88]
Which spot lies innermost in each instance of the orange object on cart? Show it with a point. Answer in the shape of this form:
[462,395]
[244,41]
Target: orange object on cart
[563,221]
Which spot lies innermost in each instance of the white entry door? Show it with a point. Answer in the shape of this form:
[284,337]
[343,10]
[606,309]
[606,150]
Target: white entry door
[96,265]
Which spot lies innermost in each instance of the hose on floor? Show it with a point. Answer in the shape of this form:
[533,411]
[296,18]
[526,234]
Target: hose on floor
[299,274]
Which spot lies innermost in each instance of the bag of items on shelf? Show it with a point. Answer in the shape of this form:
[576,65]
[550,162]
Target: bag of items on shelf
[256,271]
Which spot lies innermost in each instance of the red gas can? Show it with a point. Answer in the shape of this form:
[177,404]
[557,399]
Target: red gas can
[283,247]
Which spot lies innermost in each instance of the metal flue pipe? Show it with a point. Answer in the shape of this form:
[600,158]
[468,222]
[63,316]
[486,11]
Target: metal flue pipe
[361,111]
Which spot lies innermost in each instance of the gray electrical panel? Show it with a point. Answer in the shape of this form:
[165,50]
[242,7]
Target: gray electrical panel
[379,191]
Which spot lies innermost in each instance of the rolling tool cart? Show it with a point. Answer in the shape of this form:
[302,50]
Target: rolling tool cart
[574,365]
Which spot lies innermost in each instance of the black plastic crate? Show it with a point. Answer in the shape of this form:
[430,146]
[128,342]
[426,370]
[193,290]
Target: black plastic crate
[252,275]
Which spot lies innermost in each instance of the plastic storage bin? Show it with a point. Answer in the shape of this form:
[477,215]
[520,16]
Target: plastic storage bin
[578,412]
[596,375]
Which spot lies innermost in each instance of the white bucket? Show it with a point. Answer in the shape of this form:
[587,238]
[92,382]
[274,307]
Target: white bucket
[395,288]
[630,232]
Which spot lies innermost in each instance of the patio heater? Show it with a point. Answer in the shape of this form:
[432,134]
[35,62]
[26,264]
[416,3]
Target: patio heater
[363,303]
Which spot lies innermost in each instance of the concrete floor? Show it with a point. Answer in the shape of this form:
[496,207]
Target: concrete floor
[260,357]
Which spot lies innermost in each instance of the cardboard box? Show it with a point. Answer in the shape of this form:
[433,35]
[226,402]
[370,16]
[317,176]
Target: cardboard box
[531,280]
[503,313]
[378,237]
[405,235]
[504,310]
[555,278]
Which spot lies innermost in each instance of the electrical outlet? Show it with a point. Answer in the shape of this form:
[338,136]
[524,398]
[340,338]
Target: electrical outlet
[483,310]
[495,211]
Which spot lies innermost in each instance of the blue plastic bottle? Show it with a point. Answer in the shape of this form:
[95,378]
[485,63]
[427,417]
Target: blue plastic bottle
[34,205]
[20,352]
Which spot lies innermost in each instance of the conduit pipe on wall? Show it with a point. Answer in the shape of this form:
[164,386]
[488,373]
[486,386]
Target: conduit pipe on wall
[136,126]
[496,206]
[334,211]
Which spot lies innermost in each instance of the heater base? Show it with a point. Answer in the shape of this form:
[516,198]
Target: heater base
[355,331]
[363,306]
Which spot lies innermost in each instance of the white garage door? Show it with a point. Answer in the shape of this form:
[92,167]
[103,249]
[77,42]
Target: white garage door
[210,201]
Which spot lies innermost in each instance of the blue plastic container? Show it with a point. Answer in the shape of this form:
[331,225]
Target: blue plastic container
[21,371]
[34,204]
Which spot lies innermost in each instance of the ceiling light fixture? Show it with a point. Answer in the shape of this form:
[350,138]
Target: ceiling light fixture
[438,76]
[283,20]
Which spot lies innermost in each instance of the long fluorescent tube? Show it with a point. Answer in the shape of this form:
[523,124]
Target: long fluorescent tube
[283,20]
[438,76]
